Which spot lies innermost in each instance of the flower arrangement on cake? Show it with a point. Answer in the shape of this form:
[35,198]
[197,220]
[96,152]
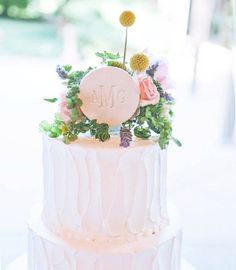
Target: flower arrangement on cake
[151,116]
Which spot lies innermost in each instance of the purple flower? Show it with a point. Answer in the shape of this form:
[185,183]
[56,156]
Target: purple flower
[125,137]
[61,72]
[125,143]
[167,96]
[152,70]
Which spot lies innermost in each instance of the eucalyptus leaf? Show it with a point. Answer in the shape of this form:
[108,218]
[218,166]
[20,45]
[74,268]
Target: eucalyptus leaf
[51,100]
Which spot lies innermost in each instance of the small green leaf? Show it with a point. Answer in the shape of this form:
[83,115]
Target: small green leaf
[176,141]
[148,112]
[142,132]
[51,100]
[74,114]
[44,126]
[142,120]
[109,63]
[113,56]
[92,132]
[69,103]
[67,68]
[52,135]
[55,130]
[79,102]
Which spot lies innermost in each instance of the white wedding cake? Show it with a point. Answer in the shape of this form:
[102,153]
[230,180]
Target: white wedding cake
[105,204]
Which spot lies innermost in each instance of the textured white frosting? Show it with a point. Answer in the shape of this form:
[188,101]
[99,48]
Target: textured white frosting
[49,252]
[97,190]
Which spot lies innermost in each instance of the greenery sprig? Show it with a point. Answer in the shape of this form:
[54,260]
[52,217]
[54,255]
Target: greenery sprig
[107,56]
[151,120]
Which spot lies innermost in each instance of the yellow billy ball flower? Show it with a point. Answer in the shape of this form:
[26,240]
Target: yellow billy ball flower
[139,62]
[64,129]
[127,18]
[118,65]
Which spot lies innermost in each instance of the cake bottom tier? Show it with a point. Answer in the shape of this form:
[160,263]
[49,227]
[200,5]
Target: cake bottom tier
[49,252]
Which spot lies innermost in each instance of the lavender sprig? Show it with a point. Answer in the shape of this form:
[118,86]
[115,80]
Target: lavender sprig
[125,137]
[167,97]
[61,72]
[152,69]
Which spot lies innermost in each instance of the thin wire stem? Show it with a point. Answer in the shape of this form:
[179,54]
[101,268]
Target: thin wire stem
[126,38]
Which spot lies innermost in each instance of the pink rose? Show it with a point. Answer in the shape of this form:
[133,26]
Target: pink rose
[162,74]
[64,112]
[148,91]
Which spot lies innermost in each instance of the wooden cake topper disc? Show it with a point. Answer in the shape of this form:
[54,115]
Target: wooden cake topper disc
[110,95]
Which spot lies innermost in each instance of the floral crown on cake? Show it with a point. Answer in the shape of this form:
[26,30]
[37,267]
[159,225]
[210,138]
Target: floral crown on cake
[133,97]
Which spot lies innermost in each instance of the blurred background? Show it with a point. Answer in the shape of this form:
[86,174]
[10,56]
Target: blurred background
[198,38]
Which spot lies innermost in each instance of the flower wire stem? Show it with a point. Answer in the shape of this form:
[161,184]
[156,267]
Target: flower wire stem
[126,38]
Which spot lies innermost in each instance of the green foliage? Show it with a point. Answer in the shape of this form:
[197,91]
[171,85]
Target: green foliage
[51,100]
[151,119]
[107,56]
[101,132]
[52,130]
[73,82]
[74,114]
[142,132]
[67,68]
[165,133]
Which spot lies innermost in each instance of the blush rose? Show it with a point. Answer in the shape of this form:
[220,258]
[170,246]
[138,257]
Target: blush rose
[148,91]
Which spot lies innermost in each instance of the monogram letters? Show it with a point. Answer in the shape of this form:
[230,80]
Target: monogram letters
[108,98]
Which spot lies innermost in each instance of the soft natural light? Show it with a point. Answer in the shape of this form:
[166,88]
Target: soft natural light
[196,38]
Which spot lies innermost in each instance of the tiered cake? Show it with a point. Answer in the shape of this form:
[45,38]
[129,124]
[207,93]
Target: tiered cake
[105,201]
[104,207]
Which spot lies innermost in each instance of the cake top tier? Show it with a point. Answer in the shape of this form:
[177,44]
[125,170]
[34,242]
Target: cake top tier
[113,143]
[135,97]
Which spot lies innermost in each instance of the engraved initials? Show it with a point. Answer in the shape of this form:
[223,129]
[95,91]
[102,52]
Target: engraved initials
[110,99]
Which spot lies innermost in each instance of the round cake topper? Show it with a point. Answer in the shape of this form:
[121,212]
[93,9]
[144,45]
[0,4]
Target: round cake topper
[110,95]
